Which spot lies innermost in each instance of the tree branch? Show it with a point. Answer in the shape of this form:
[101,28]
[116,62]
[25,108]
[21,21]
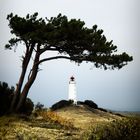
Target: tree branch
[56,57]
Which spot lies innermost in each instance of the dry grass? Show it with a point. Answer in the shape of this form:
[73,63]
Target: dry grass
[124,129]
[17,128]
[53,117]
[83,117]
[70,123]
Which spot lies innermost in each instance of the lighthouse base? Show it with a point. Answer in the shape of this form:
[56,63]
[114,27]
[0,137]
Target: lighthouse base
[74,102]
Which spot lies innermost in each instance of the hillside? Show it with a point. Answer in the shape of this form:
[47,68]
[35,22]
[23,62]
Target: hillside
[68,123]
[82,116]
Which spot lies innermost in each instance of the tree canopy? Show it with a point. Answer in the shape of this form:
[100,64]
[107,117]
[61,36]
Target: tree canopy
[69,37]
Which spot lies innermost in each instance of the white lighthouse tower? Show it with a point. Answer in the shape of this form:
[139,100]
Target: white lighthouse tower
[72,90]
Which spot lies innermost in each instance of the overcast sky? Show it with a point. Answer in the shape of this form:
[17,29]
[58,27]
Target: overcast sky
[120,20]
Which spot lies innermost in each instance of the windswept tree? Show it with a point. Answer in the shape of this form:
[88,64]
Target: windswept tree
[70,38]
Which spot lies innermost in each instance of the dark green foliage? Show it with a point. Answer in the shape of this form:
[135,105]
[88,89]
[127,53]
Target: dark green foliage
[6,95]
[69,37]
[27,107]
[89,103]
[39,106]
[80,103]
[64,103]
[126,129]
[61,104]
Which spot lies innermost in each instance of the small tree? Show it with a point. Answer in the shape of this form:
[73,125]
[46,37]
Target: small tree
[70,38]
[39,106]
[6,94]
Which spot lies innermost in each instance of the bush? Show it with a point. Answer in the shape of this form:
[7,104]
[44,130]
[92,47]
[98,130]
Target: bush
[61,104]
[90,104]
[125,129]
[80,103]
[39,106]
[6,95]
[28,107]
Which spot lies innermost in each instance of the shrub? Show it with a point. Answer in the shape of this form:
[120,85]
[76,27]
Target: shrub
[80,103]
[39,106]
[91,104]
[125,129]
[6,95]
[27,107]
[61,104]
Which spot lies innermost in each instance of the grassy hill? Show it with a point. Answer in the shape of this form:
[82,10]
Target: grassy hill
[83,116]
[69,123]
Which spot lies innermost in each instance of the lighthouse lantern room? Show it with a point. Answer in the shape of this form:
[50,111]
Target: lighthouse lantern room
[72,90]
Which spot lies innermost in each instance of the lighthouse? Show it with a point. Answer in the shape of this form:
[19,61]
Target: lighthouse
[72,90]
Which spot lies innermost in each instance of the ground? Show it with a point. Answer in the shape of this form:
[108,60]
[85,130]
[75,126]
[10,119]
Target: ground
[83,116]
[69,123]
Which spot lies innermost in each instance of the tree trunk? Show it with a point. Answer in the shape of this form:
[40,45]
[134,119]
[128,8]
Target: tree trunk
[21,79]
[18,90]
[28,84]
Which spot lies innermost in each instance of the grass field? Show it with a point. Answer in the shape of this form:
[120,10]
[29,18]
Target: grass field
[70,123]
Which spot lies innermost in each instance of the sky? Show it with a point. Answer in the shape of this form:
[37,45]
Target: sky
[110,89]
